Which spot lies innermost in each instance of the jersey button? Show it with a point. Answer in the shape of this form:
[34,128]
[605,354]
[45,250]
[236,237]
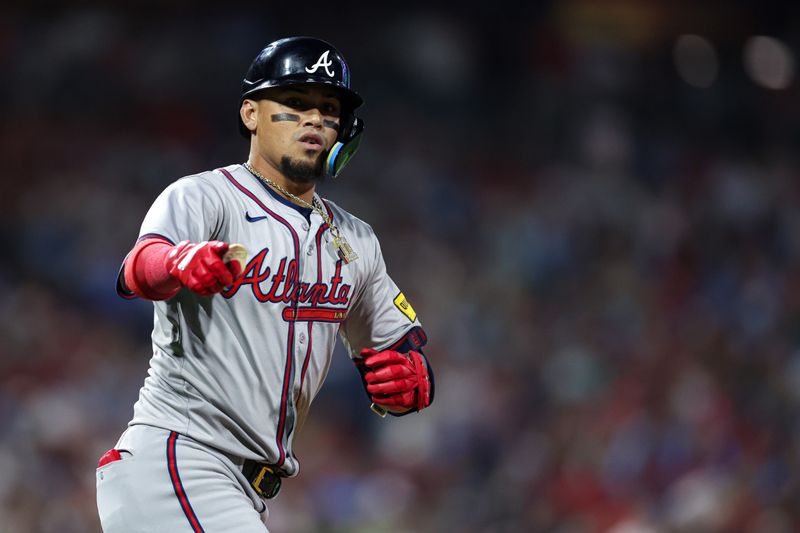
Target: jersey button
[305,226]
[302,338]
[310,250]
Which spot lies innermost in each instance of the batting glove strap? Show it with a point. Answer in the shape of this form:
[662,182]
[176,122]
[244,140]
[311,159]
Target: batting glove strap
[431,387]
[425,391]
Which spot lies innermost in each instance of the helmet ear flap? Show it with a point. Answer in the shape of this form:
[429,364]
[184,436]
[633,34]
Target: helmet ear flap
[351,129]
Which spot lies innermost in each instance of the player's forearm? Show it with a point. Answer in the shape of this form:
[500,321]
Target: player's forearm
[146,273]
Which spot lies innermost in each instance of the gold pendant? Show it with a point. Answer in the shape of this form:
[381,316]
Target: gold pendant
[343,249]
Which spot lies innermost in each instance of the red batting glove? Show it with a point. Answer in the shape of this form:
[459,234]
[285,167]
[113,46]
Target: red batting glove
[397,380]
[199,266]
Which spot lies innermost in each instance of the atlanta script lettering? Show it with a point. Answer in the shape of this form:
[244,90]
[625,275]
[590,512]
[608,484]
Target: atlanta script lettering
[281,286]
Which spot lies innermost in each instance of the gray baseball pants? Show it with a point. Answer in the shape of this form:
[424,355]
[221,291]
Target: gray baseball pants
[165,481]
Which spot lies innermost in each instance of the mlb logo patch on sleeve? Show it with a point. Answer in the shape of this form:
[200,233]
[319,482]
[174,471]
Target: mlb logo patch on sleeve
[405,307]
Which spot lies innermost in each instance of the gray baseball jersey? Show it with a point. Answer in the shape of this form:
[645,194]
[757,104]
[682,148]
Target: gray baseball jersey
[238,370]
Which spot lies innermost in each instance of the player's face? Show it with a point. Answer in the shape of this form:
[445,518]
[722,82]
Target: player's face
[296,128]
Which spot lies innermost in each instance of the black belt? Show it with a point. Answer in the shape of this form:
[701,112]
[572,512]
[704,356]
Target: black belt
[264,478]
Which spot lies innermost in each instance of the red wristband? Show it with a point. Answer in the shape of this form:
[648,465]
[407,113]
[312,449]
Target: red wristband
[146,274]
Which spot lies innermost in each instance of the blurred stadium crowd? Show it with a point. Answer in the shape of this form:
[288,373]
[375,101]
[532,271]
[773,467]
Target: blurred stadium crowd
[604,256]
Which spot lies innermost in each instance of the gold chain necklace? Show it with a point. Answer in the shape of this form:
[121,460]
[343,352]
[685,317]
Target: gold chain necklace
[343,249]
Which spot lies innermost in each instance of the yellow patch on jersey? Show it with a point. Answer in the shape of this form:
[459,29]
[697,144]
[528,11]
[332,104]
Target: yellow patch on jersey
[405,307]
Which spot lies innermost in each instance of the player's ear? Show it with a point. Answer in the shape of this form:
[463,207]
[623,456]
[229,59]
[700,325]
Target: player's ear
[249,114]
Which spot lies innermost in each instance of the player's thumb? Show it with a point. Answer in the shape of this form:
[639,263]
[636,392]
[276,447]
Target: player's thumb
[235,268]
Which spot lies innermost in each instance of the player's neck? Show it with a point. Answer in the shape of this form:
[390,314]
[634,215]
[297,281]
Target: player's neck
[304,191]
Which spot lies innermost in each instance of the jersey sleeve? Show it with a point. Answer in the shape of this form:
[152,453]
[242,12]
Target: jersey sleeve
[381,317]
[189,209]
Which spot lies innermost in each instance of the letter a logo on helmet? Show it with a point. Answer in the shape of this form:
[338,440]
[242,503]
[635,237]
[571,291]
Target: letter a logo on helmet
[323,61]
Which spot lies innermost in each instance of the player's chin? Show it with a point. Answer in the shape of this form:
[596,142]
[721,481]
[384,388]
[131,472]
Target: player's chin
[303,170]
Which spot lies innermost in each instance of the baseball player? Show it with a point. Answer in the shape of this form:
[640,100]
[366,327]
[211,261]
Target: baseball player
[253,275]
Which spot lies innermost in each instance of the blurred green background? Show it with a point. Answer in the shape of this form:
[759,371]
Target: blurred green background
[593,205]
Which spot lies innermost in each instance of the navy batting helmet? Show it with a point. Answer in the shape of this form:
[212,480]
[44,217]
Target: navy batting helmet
[307,60]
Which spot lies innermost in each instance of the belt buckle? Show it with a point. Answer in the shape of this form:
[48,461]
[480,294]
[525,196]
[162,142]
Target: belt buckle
[271,481]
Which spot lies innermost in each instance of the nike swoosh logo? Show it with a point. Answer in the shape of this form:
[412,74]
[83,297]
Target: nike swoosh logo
[253,219]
